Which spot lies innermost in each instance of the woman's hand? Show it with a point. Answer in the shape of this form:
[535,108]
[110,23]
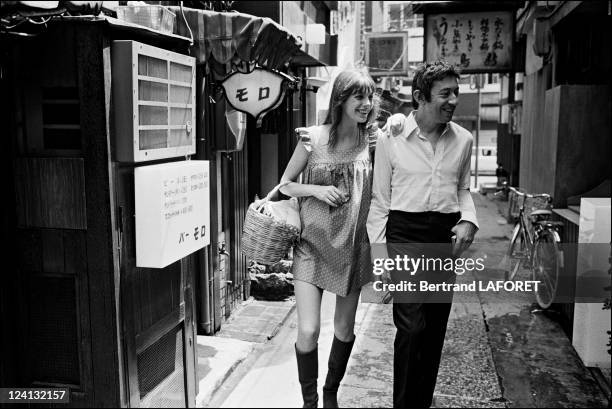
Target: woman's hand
[330,195]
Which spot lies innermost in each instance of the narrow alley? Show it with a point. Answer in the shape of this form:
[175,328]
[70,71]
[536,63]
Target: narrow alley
[500,351]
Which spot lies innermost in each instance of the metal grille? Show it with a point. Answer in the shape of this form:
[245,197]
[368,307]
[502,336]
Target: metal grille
[53,348]
[239,271]
[161,375]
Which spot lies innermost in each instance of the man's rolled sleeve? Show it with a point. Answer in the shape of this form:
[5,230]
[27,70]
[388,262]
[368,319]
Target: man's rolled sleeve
[381,192]
[466,203]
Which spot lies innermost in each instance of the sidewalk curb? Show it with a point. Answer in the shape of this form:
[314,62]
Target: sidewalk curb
[213,380]
[229,363]
[282,322]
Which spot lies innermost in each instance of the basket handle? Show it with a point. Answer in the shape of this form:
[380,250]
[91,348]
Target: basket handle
[263,201]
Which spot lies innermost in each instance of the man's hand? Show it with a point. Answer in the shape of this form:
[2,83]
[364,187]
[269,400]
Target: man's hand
[464,233]
[379,251]
[385,277]
[395,124]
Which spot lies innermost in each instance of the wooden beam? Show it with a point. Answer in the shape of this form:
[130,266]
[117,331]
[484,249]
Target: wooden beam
[94,83]
[562,11]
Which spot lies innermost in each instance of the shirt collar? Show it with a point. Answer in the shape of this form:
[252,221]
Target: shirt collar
[411,125]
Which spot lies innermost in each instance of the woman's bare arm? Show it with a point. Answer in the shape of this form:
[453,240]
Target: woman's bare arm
[328,194]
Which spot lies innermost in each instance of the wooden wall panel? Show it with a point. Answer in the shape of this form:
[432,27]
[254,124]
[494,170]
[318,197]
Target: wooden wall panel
[527,131]
[53,251]
[55,325]
[583,131]
[29,250]
[50,193]
[94,82]
[51,339]
[535,173]
[508,152]
[504,146]
[565,145]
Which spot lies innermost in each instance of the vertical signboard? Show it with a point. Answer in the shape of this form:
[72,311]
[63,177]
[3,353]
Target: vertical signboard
[476,42]
[172,211]
[387,54]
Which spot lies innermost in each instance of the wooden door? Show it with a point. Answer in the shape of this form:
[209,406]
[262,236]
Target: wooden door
[157,311]
[62,259]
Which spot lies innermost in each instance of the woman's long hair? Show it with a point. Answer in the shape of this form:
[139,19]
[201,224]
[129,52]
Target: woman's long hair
[346,84]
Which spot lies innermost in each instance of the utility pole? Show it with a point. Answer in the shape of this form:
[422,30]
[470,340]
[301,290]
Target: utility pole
[478,83]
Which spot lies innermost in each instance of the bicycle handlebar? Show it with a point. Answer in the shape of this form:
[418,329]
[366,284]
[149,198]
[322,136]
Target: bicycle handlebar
[527,195]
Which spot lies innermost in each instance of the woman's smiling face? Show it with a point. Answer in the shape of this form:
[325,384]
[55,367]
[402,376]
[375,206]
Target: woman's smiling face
[358,106]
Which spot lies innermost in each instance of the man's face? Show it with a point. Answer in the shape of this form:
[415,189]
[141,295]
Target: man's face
[444,98]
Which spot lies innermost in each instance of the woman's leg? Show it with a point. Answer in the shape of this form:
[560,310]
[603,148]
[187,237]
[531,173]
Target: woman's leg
[344,337]
[308,300]
[344,316]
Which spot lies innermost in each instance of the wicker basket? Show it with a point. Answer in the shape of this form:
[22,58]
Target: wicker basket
[514,203]
[264,239]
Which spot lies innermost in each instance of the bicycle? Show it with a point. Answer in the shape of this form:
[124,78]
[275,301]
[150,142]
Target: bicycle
[535,245]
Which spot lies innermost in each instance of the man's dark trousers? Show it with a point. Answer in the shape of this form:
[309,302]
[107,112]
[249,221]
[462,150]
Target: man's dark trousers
[420,318]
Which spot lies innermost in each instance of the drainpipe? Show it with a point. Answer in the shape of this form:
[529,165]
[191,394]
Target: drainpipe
[478,86]
[203,128]
[303,97]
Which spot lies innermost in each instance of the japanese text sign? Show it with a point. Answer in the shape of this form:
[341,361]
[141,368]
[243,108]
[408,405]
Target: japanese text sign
[387,54]
[256,92]
[476,42]
[172,211]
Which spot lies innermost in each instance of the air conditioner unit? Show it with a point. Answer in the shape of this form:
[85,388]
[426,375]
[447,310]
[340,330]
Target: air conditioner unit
[154,102]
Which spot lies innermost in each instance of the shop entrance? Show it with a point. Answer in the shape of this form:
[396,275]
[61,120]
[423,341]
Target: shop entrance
[156,305]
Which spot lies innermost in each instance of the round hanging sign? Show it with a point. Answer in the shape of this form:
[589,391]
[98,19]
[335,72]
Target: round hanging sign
[256,92]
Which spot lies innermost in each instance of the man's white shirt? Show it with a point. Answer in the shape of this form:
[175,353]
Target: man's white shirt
[409,176]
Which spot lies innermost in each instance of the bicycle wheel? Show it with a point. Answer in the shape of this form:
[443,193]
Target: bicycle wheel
[517,253]
[547,264]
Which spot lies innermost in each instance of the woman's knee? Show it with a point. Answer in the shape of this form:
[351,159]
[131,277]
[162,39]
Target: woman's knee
[343,329]
[308,333]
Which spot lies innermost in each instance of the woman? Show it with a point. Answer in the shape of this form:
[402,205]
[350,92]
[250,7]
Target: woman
[333,253]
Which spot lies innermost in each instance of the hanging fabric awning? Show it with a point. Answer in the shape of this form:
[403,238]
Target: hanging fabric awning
[222,38]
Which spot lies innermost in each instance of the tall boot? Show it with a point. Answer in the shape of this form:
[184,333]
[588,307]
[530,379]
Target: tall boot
[308,372]
[338,358]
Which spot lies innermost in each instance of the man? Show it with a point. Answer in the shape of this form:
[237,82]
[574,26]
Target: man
[421,195]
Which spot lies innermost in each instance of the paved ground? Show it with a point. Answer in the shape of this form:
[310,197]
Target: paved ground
[536,363]
[499,350]
[241,338]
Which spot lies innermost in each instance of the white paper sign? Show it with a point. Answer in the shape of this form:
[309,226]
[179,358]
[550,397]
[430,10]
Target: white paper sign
[172,211]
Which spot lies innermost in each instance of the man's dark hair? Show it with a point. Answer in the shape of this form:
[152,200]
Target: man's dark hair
[427,74]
